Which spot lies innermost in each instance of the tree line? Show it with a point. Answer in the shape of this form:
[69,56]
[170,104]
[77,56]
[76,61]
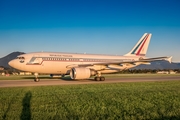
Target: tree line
[129,71]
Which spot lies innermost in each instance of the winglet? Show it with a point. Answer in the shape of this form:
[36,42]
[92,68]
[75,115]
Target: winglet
[169,59]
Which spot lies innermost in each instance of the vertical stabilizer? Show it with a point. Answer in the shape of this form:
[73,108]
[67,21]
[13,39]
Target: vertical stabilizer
[141,47]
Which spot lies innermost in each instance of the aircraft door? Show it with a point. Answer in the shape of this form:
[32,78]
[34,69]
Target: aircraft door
[37,59]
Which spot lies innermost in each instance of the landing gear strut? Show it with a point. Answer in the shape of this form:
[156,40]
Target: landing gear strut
[99,77]
[36,79]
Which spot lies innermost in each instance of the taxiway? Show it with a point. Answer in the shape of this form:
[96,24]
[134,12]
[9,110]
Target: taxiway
[47,82]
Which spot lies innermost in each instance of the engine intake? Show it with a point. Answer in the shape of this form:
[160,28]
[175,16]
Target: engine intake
[81,73]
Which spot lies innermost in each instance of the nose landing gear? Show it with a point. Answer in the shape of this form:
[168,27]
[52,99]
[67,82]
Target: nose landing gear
[36,79]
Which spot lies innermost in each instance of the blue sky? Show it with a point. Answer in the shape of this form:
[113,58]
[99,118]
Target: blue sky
[91,26]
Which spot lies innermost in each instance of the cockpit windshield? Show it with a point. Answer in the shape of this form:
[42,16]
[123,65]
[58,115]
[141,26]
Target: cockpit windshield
[21,59]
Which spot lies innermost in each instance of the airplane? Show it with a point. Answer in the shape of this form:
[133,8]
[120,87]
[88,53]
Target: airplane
[83,66]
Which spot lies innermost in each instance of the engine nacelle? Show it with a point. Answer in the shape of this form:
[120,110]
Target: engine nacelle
[81,73]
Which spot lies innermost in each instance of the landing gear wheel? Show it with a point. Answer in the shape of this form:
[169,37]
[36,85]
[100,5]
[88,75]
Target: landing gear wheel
[102,78]
[36,80]
[97,79]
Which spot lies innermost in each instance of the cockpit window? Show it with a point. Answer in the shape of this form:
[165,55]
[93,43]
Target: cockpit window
[21,59]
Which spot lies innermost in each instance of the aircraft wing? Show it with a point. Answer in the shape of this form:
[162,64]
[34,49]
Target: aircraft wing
[147,60]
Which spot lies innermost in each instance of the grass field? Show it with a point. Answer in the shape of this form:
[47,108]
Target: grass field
[145,100]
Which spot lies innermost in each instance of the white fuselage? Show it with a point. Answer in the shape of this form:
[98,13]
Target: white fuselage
[61,63]
[83,66]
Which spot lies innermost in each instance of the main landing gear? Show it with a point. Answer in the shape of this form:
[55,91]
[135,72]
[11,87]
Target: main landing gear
[36,79]
[99,77]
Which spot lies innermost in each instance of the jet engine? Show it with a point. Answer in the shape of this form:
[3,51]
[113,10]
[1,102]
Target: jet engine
[81,73]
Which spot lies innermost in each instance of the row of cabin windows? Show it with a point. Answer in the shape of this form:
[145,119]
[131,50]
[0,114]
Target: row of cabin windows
[72,59]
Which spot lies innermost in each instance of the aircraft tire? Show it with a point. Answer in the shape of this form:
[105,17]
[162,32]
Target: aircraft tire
[102,78]
[36,80]
[97,79]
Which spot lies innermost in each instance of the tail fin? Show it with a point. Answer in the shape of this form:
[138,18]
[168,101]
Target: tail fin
[141,47]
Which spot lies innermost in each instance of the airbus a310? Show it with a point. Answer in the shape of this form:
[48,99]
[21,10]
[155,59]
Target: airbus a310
[83,66]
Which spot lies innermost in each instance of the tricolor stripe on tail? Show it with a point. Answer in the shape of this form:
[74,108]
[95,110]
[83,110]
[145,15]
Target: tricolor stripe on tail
[141,47]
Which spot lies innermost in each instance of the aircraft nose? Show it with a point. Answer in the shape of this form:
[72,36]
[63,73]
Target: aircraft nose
[11,63]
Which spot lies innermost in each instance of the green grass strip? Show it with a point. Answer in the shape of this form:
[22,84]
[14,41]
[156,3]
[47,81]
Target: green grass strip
[145,100]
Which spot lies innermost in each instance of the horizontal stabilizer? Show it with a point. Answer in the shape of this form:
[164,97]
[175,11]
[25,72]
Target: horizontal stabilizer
[169,59]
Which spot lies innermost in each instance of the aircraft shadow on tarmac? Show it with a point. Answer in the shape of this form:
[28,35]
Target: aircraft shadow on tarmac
[66,78]
[69,79]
